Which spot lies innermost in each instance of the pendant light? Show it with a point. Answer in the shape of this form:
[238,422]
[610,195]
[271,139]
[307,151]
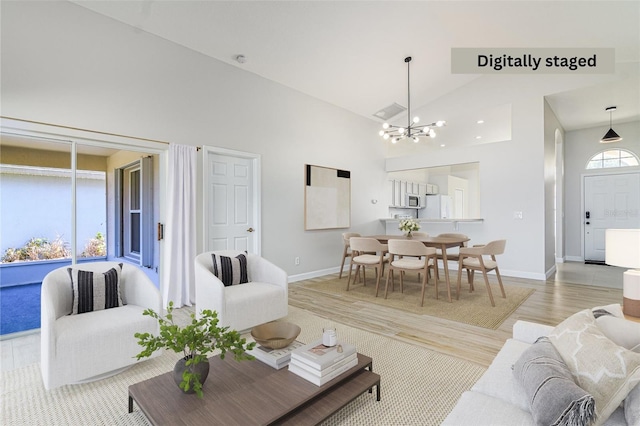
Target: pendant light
[413,130]
[611,135]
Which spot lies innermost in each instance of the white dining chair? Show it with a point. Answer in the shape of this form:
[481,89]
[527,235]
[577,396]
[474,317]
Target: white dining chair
[412,256]
[473,259]
[367,252]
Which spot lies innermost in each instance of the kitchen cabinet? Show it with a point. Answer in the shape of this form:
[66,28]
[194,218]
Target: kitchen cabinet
[398,190]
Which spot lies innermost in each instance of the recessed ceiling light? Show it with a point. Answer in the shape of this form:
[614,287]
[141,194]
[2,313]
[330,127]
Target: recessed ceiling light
[478,137]
[441,145]
[480,121]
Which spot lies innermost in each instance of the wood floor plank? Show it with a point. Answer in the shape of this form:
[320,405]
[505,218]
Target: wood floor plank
[552,301]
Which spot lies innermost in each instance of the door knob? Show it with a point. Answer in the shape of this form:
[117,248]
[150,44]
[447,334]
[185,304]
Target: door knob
[250,230]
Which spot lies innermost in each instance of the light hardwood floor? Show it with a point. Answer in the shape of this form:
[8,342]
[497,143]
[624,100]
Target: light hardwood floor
[574,287]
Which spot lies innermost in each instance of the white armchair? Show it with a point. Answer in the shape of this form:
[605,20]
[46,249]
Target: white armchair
[93,345]
[264,298]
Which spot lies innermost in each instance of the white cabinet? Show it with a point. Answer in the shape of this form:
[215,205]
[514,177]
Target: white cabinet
[398,190]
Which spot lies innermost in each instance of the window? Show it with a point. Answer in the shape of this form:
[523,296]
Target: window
[135,212]
[613,158]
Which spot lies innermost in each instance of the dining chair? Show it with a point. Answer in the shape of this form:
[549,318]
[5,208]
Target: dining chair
[452,252]
[412,256]
[346,236]
[473,259]
[367,252]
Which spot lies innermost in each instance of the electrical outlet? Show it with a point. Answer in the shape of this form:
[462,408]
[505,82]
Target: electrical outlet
[517,215]
[297,260]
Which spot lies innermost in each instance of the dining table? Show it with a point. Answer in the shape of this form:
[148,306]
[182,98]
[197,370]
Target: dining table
[442,243]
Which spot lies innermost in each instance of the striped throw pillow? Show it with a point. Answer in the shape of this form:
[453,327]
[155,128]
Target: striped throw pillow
[94,291]
[230,270]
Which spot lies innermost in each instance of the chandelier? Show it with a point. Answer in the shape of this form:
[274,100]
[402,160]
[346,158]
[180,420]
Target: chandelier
[413,130]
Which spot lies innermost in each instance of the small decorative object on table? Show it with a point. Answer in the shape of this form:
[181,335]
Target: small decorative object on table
[276,341]
[329,337]
[275,334]
[195,341]
[408,226]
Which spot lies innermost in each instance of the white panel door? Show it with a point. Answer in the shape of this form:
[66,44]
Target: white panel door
[230,210]
[610,201]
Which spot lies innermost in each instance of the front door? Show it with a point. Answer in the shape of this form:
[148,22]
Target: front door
[610,201]
[231,201]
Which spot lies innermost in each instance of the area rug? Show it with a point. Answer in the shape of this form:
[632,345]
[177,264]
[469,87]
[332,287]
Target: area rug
[419,386]
[472,308]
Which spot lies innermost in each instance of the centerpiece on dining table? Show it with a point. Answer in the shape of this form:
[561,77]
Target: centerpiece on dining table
[408,226]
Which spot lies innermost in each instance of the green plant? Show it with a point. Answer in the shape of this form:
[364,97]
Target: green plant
[95,247]
[195,340]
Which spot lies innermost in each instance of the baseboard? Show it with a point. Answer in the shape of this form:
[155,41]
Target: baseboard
[503,272]
[551,271]
[575,259]
[315,274]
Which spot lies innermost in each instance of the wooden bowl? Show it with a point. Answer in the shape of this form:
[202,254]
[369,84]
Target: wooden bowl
[275,334]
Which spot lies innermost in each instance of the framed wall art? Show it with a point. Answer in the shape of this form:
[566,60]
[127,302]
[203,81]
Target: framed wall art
[327,198]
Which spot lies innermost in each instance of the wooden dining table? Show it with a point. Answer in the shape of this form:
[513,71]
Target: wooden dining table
[438,242]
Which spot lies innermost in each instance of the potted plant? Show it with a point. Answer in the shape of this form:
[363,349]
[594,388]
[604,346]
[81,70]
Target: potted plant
[194,340]
[408,226]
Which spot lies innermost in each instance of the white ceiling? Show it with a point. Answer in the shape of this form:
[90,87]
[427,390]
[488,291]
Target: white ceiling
[351,53]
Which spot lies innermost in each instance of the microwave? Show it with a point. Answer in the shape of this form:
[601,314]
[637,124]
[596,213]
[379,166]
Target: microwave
[415,201]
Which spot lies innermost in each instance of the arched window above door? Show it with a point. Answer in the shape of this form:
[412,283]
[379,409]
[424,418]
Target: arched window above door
[612,158]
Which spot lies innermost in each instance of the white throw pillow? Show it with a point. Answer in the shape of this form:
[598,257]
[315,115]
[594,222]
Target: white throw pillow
[621,331]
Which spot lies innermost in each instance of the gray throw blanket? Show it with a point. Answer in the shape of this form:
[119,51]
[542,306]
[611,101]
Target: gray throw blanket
[554,397]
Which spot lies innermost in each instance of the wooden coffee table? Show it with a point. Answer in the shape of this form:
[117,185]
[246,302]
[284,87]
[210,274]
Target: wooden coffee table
[251,393]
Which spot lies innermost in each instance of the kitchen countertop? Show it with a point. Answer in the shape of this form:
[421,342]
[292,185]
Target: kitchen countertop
[434,220]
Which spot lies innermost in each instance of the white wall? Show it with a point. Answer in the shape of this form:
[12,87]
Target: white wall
[551,126]
[64,65]
[46,212]
[580,146]
[511,179]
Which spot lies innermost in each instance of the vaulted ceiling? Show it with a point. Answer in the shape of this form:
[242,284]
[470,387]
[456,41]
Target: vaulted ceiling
[351,53]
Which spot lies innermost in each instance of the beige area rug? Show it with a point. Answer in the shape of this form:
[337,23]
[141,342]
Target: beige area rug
[419,387]
[473,308]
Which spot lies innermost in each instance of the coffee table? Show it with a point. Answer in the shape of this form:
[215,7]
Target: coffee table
[251,393]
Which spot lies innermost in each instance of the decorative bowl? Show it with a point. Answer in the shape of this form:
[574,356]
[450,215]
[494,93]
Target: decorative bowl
[275,334]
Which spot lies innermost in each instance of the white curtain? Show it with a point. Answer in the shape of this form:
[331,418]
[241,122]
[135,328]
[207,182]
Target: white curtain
[180,230]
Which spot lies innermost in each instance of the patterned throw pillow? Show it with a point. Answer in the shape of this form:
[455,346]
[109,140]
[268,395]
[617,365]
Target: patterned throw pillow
[602,368]
[230,270]
[94,291]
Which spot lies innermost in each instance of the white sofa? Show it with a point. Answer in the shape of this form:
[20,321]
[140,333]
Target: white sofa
[92,345]
[264,298]
[497,398]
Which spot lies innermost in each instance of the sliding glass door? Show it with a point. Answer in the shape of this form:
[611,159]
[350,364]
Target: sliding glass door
[71,201]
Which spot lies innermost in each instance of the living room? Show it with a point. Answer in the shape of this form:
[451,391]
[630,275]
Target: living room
[73,68]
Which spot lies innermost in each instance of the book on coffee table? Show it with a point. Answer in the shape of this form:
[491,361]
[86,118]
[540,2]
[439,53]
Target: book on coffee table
[326,371]
[276,358]
[317,380]
[318,356]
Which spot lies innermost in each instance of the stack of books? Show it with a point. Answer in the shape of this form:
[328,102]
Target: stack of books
[276,358]
[319,364]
